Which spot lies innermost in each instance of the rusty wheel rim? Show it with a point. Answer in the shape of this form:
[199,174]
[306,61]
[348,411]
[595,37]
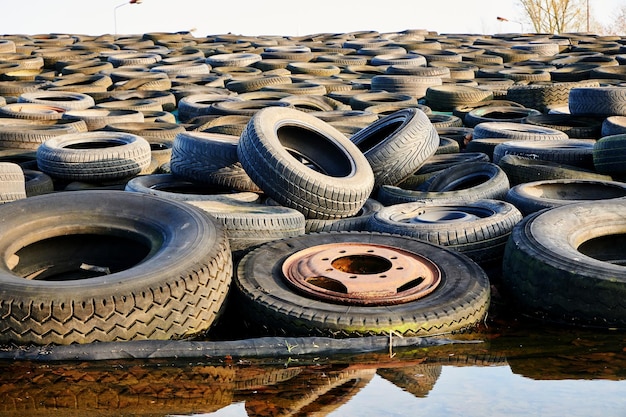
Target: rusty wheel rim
[361,274]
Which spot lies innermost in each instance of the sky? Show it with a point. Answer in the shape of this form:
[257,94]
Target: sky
[271,17]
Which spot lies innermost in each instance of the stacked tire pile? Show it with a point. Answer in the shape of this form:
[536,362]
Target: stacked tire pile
[342,184]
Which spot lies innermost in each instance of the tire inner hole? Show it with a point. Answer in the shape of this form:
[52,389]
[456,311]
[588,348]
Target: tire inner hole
[77,256]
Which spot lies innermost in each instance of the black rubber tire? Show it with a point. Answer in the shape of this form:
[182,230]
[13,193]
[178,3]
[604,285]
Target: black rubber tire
[478,229]
[534,196]
[195,105]
[567,264]
[498,114]
[64,100]
[37,183]
[31,111]
[170,280]
[543,95]
[521,131]
[447,97]
[598,101]
[211,159]
[174,188]
[465,182]
[355,223]
[272,149]
[521,169]
[578,127]
[99,118]
[485,146]
[31,136]
[12,182]
[459,302]
[613,125]
[437,163]
[447,146]
[94,156]
[397,145]
[609,154]
[440,120]
[251,224]
[370,98]
[576,152]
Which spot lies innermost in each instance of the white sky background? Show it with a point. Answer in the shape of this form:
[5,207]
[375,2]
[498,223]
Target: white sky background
[270,17]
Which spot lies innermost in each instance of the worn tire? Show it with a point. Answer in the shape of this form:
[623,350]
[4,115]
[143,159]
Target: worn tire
[397,145]
[174,188]
[567,265]
[170,279]
[520,131]
[211,159]
[534,196]
[338,186]
[521,169]
[459,302]
[478,229]
[576,152]
[251,224]
[94,156]
[12,182]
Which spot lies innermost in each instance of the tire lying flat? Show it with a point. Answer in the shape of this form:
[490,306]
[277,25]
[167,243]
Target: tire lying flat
[459,301]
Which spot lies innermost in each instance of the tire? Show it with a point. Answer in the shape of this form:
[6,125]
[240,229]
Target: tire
[570,152]
[534,196]
[477,229]
[609,154]
[613,125]
[485,146]
[12,182]
[195,105]
[437,163]
[174,188]
[210,159]
[37,183]
[445,120]
[520,131]
[498,114]
[64,100]
[31,136]
[99,118]
[251,224]
[94,156]
[543,95]
[520,169]
[397,145]
[578,127]
[413,85]
[355,223]
[338,186]
[170,279]
[447,146]
[464,182]
[447,97]
[31,111]
[371,98]
[459,302]
[597,101]
[573,273]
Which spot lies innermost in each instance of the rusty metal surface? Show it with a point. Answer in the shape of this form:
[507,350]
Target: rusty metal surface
[361,274]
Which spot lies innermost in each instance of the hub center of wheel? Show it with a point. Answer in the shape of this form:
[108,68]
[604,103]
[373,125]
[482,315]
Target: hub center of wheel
[361,274]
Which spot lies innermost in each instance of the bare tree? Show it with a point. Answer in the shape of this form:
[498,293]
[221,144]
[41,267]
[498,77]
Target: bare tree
[555,16]
[617,26]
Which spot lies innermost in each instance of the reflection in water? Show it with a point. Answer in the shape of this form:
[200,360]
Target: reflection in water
[515,372]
